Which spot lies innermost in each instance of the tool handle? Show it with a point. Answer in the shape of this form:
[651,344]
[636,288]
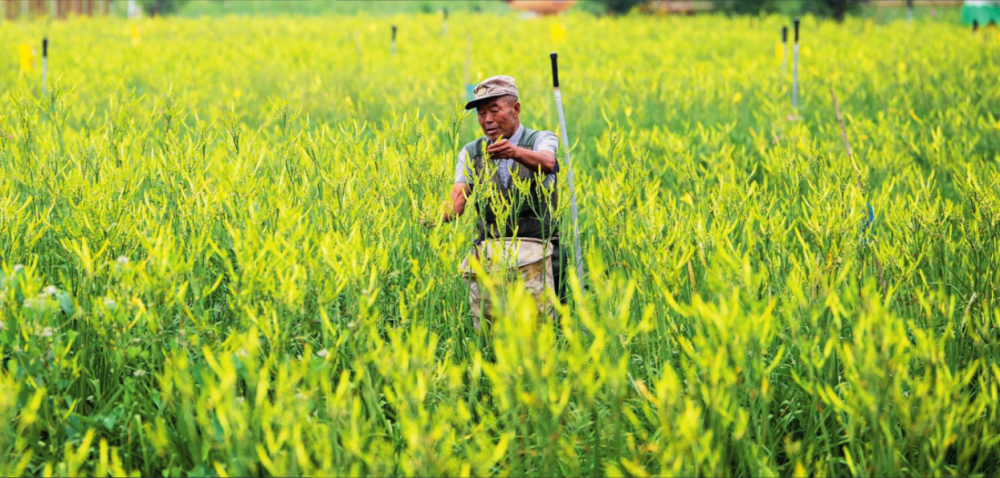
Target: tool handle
[394,33]
[796,30]
[784,34]
[555,69]
[45,47]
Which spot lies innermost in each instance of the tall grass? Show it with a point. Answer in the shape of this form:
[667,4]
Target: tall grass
[212,262]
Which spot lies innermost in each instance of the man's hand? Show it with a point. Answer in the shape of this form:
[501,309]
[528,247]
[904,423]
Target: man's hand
[453,207]
[503,150]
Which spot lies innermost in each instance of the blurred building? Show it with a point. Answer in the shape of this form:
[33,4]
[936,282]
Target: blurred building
[14,9]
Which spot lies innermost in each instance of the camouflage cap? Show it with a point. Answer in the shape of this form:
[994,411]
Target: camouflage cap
[492,87]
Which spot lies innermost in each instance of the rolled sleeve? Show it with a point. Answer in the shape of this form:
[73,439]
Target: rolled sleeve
[548,141]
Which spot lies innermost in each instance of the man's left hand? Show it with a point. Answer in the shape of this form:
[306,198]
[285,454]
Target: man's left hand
[502,149]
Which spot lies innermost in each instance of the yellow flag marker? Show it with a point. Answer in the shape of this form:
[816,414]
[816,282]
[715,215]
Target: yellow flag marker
[135,35]
[25,54]
[558,32]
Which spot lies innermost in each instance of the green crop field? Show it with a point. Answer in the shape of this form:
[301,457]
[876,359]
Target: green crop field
[212,260]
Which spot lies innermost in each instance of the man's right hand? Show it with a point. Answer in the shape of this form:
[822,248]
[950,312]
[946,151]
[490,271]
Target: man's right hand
[458,197]
[453,207]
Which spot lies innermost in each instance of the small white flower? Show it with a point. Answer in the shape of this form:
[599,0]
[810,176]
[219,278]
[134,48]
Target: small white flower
[323,353]
[139,373]
[47,332]
[122,260]
[50,290]
[109,303]
[240,400]
[301,396]
[242,353]
[18,267]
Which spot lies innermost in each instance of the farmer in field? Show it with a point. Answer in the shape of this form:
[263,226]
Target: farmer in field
[513,170]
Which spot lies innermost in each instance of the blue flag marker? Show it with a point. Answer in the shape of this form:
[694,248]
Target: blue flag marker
[868,226]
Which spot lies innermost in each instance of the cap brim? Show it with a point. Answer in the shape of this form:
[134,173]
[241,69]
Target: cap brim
[472,104]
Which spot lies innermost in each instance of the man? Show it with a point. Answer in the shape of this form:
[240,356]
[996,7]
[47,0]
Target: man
[519,164]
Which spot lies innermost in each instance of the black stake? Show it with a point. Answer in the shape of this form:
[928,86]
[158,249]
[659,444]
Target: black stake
[975,25]
[795,70]
[45,64]
[394,39]
[784,48]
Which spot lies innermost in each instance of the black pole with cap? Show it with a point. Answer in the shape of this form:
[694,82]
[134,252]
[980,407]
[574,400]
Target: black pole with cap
[795,69]
[45,64]
[444,29]
[569,164]
[394,39]
[784,49]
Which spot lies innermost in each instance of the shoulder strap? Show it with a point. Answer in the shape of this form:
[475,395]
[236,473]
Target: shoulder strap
[528,140]
[474,149]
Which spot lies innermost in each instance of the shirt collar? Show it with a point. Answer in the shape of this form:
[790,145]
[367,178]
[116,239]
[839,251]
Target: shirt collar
[516,139]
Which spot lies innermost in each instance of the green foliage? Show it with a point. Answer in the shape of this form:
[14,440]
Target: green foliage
[836,9]
[212,263]
[162,7]
[620,6]
[746,7]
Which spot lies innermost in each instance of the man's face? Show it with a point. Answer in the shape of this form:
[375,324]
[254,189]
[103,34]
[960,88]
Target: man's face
[498,117]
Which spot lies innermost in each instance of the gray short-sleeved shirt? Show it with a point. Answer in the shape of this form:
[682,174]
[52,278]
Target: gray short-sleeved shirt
[544,141]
